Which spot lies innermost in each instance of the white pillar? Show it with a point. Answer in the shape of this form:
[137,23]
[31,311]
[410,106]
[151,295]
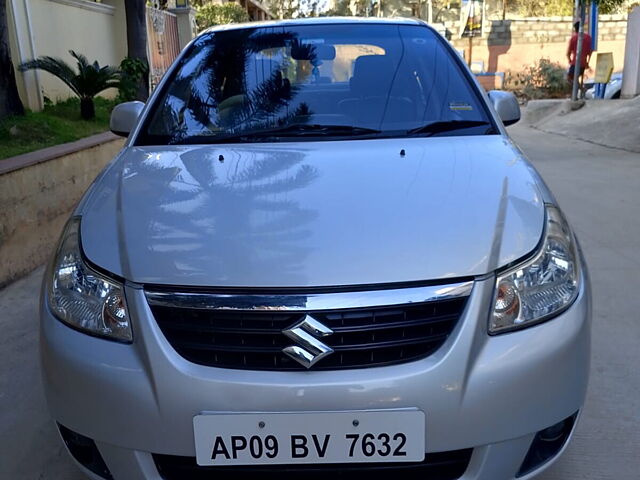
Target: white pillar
[631,74]
[19,20]
[186,19]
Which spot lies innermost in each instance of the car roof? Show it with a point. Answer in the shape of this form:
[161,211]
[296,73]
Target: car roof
[318,21]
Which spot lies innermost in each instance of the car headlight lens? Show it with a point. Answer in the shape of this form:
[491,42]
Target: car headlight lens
[82,297]
[541,287]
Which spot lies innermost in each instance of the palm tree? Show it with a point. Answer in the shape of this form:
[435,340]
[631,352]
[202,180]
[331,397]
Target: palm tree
[89,81]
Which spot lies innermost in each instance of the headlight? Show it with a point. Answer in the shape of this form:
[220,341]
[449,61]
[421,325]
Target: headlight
[82,297]
[541,287]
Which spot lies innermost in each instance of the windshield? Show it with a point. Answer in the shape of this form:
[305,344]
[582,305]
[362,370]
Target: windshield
[315,82]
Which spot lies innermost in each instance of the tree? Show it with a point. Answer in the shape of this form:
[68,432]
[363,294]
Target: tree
[611,6]
[284,8]
[547,8]
[10,103]
[348,8]
[530,8]
[214,14]
[340,9]
[90,80]
[308,8]
[136,15]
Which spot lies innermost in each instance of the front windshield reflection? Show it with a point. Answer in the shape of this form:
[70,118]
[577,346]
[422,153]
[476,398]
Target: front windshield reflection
[329,80]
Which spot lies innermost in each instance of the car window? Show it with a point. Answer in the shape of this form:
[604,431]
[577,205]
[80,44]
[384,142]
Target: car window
[388,79]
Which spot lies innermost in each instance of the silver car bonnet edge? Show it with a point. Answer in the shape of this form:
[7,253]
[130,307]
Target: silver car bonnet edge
[312,301]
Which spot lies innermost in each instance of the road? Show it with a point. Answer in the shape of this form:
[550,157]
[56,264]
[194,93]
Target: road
[598,188]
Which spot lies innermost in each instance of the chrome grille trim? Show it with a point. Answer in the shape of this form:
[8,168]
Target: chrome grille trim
[311,301]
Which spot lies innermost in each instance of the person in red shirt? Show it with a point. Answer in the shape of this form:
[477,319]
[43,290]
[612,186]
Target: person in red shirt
[572,54]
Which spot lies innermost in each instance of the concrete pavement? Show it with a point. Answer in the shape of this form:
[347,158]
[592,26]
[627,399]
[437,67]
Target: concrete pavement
[29,445]
[603,122]
[598,188]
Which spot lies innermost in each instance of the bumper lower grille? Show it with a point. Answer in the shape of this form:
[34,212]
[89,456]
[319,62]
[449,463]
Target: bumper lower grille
[253,339]
[436,466]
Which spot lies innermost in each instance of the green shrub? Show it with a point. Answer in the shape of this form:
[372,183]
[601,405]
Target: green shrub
[544,79]
[133,71]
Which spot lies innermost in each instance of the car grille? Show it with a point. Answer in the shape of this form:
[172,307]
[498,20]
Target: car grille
[436,466]
[252,338]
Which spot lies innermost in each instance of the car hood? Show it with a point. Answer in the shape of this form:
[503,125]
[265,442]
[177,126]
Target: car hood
[313,213]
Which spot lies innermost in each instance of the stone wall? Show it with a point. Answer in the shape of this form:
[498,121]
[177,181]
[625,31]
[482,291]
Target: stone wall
[38,190]
[510,45]
[542,30]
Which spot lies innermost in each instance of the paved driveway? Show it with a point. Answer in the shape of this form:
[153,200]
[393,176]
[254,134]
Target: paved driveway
[599,189]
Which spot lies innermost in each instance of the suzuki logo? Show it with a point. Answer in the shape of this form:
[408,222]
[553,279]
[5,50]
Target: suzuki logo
[306,333]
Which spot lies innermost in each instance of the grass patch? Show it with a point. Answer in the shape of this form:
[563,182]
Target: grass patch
[57,123]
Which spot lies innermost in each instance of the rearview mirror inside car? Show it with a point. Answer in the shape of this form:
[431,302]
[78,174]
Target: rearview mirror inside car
[313,52]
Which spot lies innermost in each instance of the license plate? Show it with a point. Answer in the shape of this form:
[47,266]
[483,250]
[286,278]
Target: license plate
[314,437]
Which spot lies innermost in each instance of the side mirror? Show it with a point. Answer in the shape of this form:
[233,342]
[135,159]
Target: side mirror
[506,105]
[124,117]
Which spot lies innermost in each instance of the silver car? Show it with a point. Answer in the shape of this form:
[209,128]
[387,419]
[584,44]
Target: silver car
[318,253]
[612,90]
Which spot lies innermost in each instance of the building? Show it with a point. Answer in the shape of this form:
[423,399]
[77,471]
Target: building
[257,11]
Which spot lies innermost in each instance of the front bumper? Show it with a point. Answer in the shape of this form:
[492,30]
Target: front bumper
[491,394]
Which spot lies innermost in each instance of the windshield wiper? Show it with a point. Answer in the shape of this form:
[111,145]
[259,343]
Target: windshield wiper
[292,130]
[312,129]
[450,126]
